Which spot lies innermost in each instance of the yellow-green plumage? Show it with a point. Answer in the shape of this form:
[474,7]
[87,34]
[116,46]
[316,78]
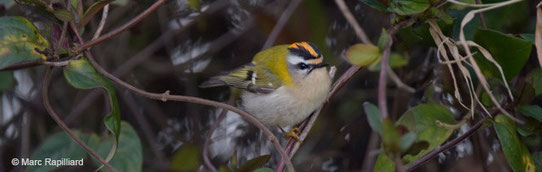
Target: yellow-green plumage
[270,69]
[274,60]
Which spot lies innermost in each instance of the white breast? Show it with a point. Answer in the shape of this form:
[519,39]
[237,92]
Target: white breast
[288,105]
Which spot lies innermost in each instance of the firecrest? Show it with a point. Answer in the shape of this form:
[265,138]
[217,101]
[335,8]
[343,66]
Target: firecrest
[282,86]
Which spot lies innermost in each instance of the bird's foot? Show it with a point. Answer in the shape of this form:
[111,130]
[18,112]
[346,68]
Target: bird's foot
[293,133]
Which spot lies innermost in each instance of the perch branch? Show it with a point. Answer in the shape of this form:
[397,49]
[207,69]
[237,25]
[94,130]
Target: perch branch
[122,28]
[446,146]
[207,142]
[384,65]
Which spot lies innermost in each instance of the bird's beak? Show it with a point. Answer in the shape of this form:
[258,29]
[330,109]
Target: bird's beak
[321,65]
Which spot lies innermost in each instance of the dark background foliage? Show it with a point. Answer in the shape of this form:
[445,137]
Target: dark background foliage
[184,43]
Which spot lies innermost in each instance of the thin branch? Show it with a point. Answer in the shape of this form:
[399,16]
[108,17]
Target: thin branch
[382,80]
[292,146]
[63,33]
[306,126]
[189,99]
[446,146]
[384,65]
[122,28]
[221,117]
[145,127]
[481,15]
[393,76]
[61,124]
[281,23]
[102,22]
[353,22]
[368,159]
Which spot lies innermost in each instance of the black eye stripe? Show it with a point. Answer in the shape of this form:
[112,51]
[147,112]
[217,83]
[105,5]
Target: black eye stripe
[302,66]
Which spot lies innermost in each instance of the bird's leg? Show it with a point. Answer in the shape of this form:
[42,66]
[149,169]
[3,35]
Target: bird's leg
[293,133]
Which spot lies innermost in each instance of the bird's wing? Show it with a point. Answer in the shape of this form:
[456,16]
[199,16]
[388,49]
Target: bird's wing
[248,77]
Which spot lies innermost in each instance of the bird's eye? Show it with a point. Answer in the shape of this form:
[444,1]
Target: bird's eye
[302,66]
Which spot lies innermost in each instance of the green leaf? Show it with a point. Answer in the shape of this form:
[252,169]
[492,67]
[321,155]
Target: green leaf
[445,17]
[6,80]
[7,3]
[187,158]
[63,15]
[263,170]
[421,120]
[56,147]
[254,163]
[92,10]
[129,155]
[384,164]
[397,60]
[510,52]
[382,39]
[194,5]
[390,136]
[120,2]
[532,111]
[408,7]
[81,74]
[362,54]
[516,153]
[528,37]
[535,79]
[376,4]
[406,141]
[20,42]
[373,116]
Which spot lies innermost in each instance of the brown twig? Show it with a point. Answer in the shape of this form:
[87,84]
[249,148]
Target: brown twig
[382,80]
[481,15]
[145,127]
[61,124]
[281,23]
[122,28]
[353,22]
[446,146]
[102,22]
[345,77]
[221,117]
[293,145]
[369,159]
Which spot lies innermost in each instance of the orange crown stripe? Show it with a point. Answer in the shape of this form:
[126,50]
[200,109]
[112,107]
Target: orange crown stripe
[306,46]
[316,61]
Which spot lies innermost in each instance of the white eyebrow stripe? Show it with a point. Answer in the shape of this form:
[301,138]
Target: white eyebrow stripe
[294,60]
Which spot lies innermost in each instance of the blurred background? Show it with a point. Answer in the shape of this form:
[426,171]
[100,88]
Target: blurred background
[185,42]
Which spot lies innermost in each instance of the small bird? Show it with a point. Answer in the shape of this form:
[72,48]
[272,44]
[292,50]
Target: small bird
[282,86]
